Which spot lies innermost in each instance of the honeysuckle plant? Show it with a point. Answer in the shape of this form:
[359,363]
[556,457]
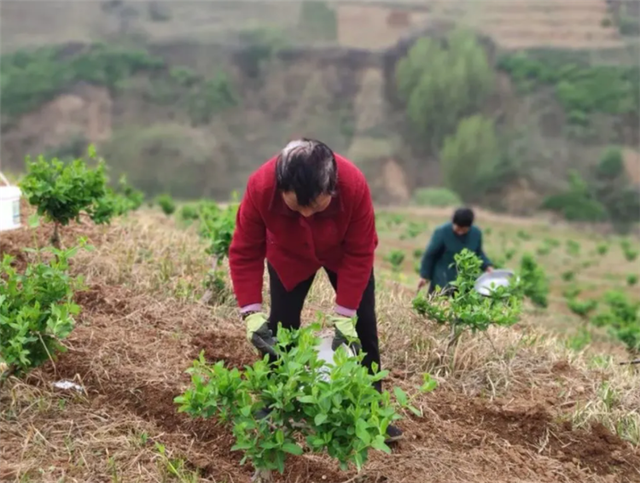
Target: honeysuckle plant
[468,309]
[311,406]
[36,308]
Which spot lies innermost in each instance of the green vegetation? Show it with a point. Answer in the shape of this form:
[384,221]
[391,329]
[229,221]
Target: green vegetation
[332,408]
[437,197]
[607,194]
[466,308]
[581,89]
[36,309]
[534,281]
[29,78]
[166,203]
[470,158]
[318,20]
[395,259]
[61,192]
[442,84]
[622,317]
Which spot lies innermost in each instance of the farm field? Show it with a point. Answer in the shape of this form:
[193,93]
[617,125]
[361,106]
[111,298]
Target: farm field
[516,406]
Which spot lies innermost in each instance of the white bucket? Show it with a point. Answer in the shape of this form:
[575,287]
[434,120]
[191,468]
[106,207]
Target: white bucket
[9,208]
[326,354]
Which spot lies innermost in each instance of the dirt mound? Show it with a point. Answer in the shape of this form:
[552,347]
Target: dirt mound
[234,350]
[532,426]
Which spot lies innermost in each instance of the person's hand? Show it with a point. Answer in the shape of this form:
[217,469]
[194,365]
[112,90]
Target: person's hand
[259,334]
[489,269]
[345,333]
[421,284]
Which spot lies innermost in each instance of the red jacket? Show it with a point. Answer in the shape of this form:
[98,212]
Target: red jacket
[342,238]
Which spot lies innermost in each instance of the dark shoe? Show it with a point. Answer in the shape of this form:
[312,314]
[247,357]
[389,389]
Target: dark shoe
[393,434]
[262,413]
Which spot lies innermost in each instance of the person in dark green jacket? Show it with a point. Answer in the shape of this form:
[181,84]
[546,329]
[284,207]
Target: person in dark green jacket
[438,265]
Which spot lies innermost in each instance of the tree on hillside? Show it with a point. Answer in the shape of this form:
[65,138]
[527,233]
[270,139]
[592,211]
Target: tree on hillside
[470,158]
[443,82]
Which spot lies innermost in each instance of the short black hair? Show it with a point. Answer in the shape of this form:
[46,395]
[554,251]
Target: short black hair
[308,168]
[463,217]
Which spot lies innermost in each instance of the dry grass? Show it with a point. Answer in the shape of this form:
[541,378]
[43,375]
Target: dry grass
[497,415]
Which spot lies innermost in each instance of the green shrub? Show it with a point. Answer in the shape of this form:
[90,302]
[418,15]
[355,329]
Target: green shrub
[632,279]
[582,308]
[331,408]
[166,203]
[577,203]
[318,20]
[61,192]
[30,78]
[581,89]
[395,258]
[572,291]
[467,309]
[217,226]
[36,309]
[534,281]
[438,197]
[442,83]
[568,276]
[622,318]
[470,158]
[602,249]
[417,253]
[573,248]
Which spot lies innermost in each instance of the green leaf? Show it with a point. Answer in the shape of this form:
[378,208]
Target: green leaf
[379,444]
[292,448]
[319,419]
[361,431]
[33,221]
[401,396]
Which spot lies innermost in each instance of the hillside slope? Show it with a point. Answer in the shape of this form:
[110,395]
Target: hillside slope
[518,407]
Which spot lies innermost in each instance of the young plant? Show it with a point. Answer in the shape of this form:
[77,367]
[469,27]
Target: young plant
[572,291]
[602,249]
[395,258]
[632,279]
[36,309]
[568,276]
[61,192]
[573,248]
[534,282]
[334,409]
[167,205]
[468,309]
[582,308]
[622,317]
[217,227]
[417,253]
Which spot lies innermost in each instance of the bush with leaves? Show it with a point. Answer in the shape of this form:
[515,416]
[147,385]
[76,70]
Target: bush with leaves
[632,279]
[622,317]
[470,158]
[395,259]
[534,281]
[334,408]
[468,309]
[578,202]
[582,308]
[61,192]
[36,308]
[166,203]
[441,82]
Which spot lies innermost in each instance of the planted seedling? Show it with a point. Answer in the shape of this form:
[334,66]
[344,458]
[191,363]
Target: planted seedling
[395,258]
[417,253]
[63,191]
[602,249]
[573,248]
[632,279]
[582,308]
[534,281]
[166,203]
[622,317]
[466,308]
[36,308]
[334,409]
[568,276]
[572,291]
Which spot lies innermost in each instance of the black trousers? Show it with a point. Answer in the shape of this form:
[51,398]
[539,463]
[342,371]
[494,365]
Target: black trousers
[286,308]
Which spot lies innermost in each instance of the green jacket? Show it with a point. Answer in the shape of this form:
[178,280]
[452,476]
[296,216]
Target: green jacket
[438,265]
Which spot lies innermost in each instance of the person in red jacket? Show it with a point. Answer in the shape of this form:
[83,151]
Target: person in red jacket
[306,209]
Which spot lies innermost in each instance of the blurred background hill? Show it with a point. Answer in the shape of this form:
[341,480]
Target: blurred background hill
[516,105]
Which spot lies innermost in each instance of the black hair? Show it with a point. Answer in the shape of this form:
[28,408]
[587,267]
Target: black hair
[308,168]
[463,217]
